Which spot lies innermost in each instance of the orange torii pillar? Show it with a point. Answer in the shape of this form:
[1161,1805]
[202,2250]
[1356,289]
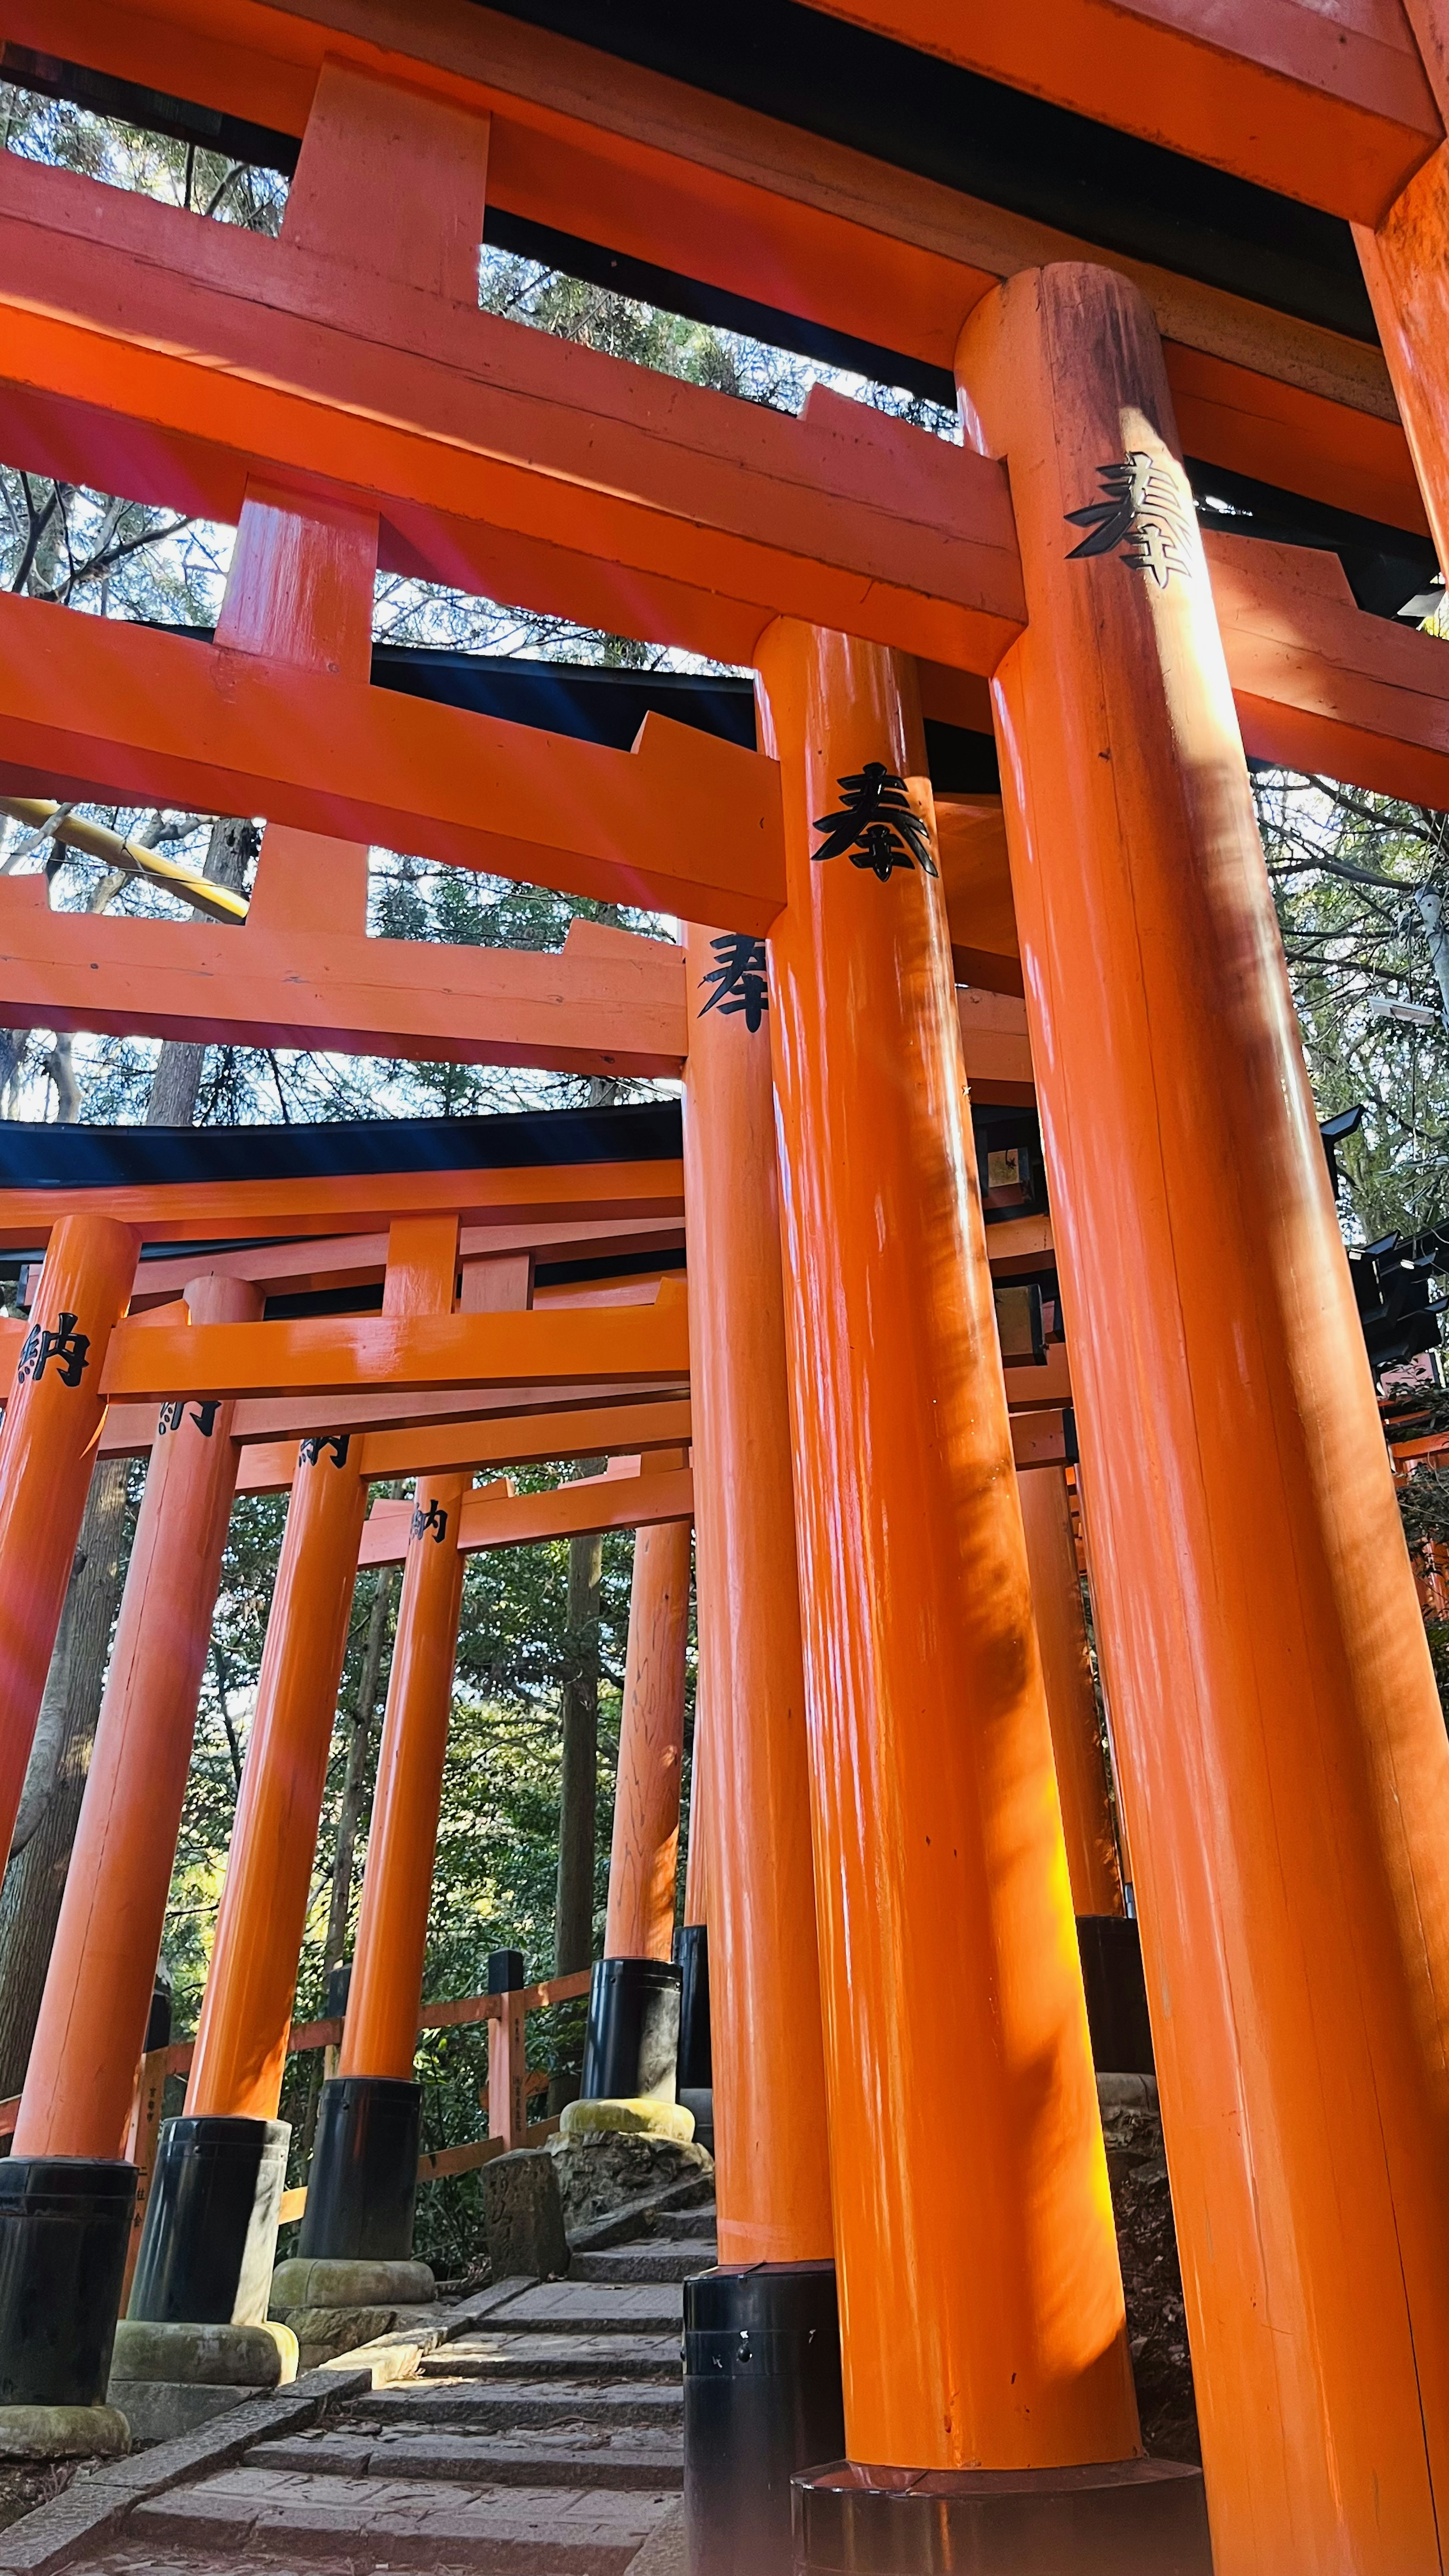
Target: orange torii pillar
[631,2046]
[1284,1760]
[53,1417]
[982,2323]
[69,2187]
[211,2221]
[1107,1937]
[1405,264]
[746,2433]
[364,2165]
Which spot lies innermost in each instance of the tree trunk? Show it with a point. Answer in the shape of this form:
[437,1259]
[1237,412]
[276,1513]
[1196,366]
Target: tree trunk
[176,1082]
[54,1784]
[573,1939]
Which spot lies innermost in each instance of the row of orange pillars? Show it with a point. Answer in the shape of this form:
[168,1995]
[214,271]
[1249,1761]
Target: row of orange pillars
[906,2118]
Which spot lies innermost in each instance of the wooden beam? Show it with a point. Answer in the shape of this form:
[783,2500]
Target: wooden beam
[500,458]
[359,1260]
[1333,108]
[608,1346]
[303,972]
[327,1203]
[650,167]
[1320,686]
[130,1428]
[519,1440]
[684,823]
[497,1517]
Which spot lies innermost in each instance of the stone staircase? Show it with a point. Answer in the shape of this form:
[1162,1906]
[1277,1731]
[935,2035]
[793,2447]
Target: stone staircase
[544,2441]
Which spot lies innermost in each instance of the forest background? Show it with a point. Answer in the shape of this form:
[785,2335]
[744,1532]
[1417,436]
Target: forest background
[1358,881]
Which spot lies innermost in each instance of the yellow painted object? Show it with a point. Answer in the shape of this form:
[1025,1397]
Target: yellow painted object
[640,2118]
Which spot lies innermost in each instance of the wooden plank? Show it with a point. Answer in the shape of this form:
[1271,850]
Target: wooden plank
[502,458]
[332,1202]
[268,1467]
[498,1518]
[146,1360]
[650,167]
[684,823]
[607,1002]
[1331,108]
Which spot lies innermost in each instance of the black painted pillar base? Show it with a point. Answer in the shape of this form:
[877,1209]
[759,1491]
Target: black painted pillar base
[65,2224]
[761,2401]
[1116,1991]
[696,2066]
[1120,2518]
[632,2044]
[210,2236]
[364,2178]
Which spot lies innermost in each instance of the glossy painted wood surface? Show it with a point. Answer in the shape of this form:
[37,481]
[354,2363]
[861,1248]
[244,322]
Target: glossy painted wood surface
[494,1516]
[981,2302]
[752,1761]
[251,1983]
[380,2032]
[620,155]
[508,1439]
[1404,267]
[1281,1748]
[47,1447]
[92,2023]
[1061,1636]
[645,1847]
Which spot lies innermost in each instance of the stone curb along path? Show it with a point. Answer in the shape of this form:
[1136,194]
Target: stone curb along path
[533,2426]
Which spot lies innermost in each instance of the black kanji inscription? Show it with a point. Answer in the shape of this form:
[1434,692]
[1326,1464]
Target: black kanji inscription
[1143,514]
[203,1414]
[876,824]
[434,1518]
[65,1344]
[738,979]
[339,1442]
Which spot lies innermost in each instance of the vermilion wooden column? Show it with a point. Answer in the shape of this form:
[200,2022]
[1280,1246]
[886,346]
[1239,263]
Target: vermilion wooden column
[643,1855]
[1406,270]
[53,1418]
[981,2303]
[364,2167]
[1284,1760]
[92,2023]
[752,1784]
[246,2012]
[1061,1636]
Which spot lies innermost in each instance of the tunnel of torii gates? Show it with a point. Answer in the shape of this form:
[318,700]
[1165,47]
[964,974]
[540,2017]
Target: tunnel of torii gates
[906,2121]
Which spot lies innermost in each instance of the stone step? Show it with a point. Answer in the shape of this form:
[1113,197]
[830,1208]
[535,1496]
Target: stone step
[501,2405]
[564,2455]
[495,2354]
[281,2515]
[703,2221]
[655,2260]
[585,2307]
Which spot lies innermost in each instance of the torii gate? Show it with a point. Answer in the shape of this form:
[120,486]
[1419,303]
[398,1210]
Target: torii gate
[1288,1827]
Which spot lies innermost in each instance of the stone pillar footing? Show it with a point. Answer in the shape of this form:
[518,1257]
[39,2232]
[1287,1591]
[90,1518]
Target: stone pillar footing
[762,2398]
[205,2356]
[65,2224]
[364,2172]
[351,2282]
[632,2043]
[63,2433]
[1113,2518]
[210,2235]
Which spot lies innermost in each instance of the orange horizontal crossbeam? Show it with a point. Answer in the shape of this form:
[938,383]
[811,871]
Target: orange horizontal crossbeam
[684,823]
[650,167]
[329,1203]
[518,1440]
[176,358]
[148,1360]
[302,972]
[1320,686]
[1333,107]
[495,1517]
